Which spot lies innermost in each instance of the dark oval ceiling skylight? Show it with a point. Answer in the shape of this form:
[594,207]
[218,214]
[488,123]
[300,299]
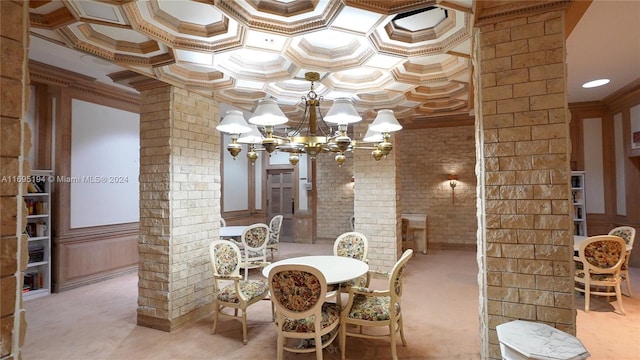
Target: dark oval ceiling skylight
[417,20]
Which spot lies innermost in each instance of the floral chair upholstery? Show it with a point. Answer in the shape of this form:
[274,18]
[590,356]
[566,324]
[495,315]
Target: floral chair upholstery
[275,225]
[230,291]
[598,265]
[254,244]
[373,308]
[354,245]
[628,233]
[298,292]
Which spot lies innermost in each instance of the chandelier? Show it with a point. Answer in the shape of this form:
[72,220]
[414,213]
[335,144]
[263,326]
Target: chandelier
[315,134]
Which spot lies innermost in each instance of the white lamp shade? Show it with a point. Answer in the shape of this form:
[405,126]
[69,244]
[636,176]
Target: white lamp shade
[268,114]
[385,122]
[252,137]
[233,123]
[342,112]
[372,136]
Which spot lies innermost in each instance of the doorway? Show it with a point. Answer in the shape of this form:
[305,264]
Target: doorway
[281,200]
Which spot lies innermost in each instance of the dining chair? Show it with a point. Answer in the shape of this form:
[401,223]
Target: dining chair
[230,291]
[275,225]
[254,247]
[628,233]
[598,265]
[375,308]
[299,293]
[352,244]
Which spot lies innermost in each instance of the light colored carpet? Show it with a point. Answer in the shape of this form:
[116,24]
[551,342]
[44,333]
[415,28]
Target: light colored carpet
[440,306]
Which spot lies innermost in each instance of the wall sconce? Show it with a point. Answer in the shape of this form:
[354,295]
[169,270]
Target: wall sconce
[453,181]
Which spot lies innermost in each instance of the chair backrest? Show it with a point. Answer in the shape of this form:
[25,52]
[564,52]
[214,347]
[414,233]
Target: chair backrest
[275,225]
[297,291]
[395,280]
[254,240]
[351,244]
[602,254]
[225,258]
[628,233]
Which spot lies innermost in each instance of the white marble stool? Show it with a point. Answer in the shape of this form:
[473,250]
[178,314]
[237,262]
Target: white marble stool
[521,340]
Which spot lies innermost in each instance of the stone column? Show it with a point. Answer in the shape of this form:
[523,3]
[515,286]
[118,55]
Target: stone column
[179,205]
[525,241]
[15,143]
[376,207]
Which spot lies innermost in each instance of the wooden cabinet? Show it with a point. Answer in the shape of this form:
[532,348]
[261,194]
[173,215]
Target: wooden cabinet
[579,207]
[418,230]
[37,276]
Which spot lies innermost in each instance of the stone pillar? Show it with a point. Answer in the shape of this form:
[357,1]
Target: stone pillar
[179,205]
[525,242]
[376,207]
[15,143]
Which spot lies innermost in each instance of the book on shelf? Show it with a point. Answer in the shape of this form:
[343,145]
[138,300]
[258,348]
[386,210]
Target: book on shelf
[32,281]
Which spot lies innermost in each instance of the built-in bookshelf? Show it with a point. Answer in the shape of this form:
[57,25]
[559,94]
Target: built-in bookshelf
[579,207]
[37,276]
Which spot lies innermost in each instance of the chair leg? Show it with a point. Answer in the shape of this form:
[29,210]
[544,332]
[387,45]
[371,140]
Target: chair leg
[404,341]
[280,346]
[619,298]
[343,339]
[318,341]
[587,297]
[392,332]
[628,281]
[215,319]
[244,327]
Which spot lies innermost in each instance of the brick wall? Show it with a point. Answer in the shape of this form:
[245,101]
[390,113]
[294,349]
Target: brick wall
[427,157]
[15,144]
[179,205]
[335,196]
[527,252]
[376,207]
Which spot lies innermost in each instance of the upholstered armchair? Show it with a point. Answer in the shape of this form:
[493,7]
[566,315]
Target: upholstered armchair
[230,291]
[628,233]
[254,247]
[275,225]
[375,308]
[299,293]
[598,267]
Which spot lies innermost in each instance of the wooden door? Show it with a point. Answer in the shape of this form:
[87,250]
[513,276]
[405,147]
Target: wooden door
[281,201]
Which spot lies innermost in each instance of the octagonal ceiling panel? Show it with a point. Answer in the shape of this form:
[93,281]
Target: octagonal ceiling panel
[185,25]
[410,56]
[329,50]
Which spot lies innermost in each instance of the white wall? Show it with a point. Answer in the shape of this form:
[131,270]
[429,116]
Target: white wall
[105,165]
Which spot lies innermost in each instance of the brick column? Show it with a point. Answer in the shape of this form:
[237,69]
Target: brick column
[15,143]
[376,207]
[179,206]
[525,242]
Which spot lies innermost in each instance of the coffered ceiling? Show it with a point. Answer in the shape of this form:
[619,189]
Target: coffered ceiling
[412,56]
[406,55]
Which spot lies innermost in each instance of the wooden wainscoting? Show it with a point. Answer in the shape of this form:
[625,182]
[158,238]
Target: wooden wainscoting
[87,255]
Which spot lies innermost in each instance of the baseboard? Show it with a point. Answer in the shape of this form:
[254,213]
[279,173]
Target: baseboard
[175,324]
[450,246]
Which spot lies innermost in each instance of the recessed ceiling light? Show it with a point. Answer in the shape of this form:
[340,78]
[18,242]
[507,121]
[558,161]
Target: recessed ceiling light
[595,83]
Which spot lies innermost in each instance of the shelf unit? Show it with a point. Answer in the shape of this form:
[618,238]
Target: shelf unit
[579,206]
[37,276]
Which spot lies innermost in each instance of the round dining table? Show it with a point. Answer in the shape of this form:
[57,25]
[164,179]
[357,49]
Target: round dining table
[336,269]
[232,231]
